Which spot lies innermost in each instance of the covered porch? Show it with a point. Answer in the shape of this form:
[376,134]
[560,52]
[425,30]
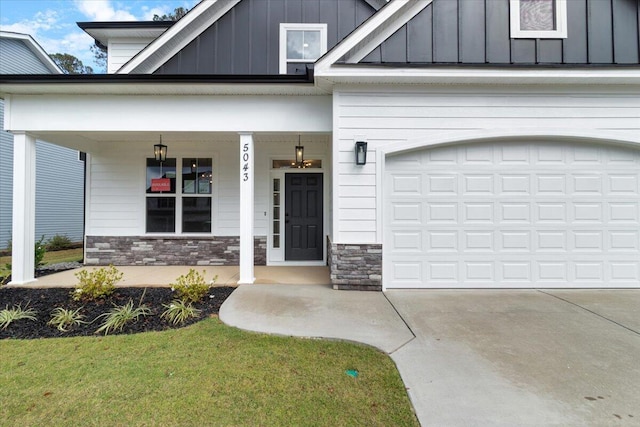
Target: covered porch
[245,142]
[162,276]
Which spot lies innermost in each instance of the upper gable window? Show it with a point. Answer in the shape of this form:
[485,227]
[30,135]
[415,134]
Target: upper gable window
[301,43]
[539,19]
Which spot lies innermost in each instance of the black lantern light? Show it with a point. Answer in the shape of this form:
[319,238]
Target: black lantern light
[299,153]
[160,151]
[361,153]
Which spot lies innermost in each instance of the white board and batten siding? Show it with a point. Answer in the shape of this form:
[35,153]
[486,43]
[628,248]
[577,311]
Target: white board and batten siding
[403,126]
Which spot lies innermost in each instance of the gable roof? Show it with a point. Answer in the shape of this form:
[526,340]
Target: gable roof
[187,29]
[102,31]
[34,47]
[198,19]
[372,33]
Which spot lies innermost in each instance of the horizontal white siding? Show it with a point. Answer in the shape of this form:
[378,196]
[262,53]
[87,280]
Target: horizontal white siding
[116,203]
[398,115]
[120,51]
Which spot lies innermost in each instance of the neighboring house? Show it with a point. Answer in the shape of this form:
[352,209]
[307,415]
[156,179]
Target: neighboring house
[59,172]
[445,143]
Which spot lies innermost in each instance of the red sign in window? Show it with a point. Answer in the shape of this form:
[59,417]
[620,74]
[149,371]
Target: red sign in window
[160,184]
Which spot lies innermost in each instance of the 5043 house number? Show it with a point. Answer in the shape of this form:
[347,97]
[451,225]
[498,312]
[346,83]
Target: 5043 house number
[245,160]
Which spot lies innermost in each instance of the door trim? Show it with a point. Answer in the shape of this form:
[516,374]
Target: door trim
[275,257]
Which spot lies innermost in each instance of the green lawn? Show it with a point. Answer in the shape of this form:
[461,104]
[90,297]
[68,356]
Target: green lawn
[205,374]
[49,258]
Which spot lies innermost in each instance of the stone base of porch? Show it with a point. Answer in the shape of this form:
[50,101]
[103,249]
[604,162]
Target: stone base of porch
[355,266]
[146,250]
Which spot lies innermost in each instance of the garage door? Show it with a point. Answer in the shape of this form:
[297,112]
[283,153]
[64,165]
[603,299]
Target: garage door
[512,215]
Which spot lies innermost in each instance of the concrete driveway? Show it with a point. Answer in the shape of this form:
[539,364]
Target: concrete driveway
[478,357]
[489,358]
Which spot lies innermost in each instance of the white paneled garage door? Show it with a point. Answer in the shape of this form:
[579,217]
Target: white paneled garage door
[512,215]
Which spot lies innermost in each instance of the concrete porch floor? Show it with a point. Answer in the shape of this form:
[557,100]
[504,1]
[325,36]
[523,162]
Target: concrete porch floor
[150,276]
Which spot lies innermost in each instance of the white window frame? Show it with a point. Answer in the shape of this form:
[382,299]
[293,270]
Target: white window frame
[561,23]
[299,27]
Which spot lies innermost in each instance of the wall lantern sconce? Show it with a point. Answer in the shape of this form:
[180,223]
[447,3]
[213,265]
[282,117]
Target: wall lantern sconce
[160,151]
[361,153]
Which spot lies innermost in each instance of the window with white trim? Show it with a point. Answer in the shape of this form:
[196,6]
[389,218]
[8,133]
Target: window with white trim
[301,44]
[538,19]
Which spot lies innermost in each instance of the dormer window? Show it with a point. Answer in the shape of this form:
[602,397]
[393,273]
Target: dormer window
[301,44]
[538,19]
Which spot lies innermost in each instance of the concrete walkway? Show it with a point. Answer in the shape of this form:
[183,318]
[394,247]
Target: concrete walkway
[478,358]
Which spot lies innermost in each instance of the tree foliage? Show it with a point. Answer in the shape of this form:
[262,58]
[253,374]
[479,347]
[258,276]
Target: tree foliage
[177,13]
[70,64]
[100,55]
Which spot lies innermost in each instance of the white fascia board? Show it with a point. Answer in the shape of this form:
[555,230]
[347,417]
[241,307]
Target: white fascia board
[35,48]
[382,17]
[386,30]
[178,36]
[388,75]
[104,35]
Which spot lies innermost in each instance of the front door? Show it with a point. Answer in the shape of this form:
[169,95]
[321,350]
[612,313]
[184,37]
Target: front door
[303,217]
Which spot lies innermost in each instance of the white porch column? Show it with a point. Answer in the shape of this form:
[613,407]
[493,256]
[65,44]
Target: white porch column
[24,208]
[246,208]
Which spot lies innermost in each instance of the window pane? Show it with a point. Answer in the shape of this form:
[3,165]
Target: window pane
[311,45]
[161,214]
[196,214]
[294,44]
[537,15]
[157,175]
[196,176]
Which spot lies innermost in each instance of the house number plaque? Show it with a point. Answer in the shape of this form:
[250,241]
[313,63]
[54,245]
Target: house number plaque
[245,162]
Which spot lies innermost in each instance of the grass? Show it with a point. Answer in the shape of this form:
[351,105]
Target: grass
[205,374]
[67,255]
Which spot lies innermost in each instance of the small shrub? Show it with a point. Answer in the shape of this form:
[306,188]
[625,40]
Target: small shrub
[63,319]
[119,316]
[96,284]
[179,311]
[59,243]
[192,286]
[10,315]
[40,250]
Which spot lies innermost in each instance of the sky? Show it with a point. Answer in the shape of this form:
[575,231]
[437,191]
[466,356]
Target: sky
[52,23]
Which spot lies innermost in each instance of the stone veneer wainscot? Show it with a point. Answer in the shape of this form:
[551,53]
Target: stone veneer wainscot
[355,267]
[196,251]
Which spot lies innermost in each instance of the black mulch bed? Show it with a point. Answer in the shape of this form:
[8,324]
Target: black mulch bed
[45,300]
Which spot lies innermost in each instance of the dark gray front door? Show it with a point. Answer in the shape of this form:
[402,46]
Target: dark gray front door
[303,217]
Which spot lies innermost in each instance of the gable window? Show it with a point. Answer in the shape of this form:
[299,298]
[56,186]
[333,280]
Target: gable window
[538,19]
[301,44]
